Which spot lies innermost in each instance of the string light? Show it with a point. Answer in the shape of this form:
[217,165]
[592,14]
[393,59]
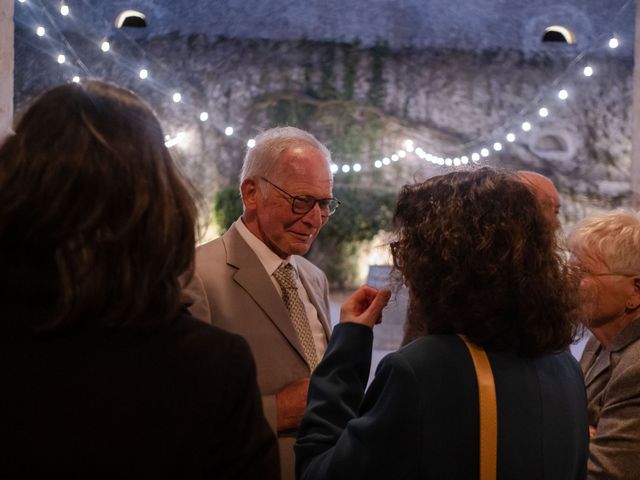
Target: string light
[408,144]
[76,79]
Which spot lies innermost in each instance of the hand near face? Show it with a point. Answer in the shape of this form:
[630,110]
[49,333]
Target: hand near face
[365,306]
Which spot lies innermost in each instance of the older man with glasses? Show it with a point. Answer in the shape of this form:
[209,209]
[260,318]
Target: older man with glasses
[253,280]
[606,251]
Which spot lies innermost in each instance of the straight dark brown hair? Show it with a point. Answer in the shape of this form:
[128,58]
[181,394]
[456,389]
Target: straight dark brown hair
[96,221]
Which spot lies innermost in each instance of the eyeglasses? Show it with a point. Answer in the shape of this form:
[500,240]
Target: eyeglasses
[302,204]
[584,272]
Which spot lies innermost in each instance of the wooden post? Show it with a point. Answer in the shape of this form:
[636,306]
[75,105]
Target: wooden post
[6,66]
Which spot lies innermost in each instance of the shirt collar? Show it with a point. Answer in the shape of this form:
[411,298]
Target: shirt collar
[268,258]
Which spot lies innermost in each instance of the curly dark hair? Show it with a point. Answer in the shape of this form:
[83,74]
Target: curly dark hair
[96,221]
[480,259]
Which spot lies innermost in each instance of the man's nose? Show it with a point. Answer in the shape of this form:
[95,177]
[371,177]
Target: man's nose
[314,217]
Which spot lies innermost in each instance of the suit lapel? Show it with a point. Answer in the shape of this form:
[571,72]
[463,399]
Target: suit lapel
[313,293]
[253,278]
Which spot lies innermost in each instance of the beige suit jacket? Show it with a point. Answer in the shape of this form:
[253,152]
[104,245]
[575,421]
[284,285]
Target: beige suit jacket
[232,290]
[612,379]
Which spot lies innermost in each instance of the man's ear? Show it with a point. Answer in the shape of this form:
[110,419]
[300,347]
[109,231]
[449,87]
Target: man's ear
[633,302]
[249,190]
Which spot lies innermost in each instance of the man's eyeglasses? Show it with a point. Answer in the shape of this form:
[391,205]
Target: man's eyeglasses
[302,204]
[585,272]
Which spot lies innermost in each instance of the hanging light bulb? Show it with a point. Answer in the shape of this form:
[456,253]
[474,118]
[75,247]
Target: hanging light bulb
[105,47]
[64,10]
[40,31]
[143,73]
[563,94]
[204,116]
[613,42]
[588,71]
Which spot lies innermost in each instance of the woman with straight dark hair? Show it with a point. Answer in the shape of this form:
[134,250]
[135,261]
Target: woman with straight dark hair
[102,372]
[480,260]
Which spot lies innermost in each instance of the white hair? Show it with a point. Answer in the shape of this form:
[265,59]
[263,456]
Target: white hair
[613,238]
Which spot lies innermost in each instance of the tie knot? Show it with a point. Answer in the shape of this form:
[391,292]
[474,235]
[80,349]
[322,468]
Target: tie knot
[285,275]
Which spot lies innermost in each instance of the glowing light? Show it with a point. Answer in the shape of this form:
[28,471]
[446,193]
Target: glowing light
[497,146]
[475,156]
[171,142]
[420,152]
[61,59]
[511,137]
[543,112]
[76,79]
[526,126]
[64,10]
[346,168]
[204,116]
[568,35]
[588,71]
[357,167]
[613,42]
[440,161]
[408,145]
[251,143]
[40,31]
[386,161]
[105,47]
[402,153]
[448,162]
[456,162]
[377,164]
[176,97]
[563,94]
[228,131]
[143,73]
[334,168]
[464,159]
[395,157]
[22,1]
[484,152]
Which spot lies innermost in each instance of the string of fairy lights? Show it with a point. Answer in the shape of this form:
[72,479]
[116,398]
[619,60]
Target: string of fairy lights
[483,149]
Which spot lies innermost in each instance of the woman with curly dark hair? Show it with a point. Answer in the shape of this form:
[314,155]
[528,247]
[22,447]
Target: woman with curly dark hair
[103,373]
[480,260]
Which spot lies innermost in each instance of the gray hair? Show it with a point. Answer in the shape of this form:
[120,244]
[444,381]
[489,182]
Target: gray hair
[613,238]
[262,159]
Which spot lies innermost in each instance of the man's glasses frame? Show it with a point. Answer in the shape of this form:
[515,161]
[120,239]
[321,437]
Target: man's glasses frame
[303,204]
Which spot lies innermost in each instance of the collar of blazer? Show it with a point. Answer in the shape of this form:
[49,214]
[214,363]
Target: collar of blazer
[252,277]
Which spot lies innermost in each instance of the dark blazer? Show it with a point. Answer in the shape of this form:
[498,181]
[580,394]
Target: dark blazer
[232,290]
[612,378]
[419,417]
[177,402]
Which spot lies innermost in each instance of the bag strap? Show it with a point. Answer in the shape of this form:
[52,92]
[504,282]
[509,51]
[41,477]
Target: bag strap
[488,410]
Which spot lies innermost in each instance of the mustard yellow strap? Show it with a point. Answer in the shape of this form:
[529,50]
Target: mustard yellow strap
[488,410]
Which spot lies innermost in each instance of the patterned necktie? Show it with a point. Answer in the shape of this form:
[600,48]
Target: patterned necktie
[286,277]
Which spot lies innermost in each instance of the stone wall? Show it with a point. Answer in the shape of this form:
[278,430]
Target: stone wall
[365,101]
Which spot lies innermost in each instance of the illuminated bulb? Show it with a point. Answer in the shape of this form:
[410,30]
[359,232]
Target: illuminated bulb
[204,116]
[334,168]
[395,157]
[497,146]
[176,97]
[105,46]
[251,143]
[563,94]
[511,137]
[408,145]
[402,153]
[448,162]
[167,137]
[228,131]
[526,126]
[440,161]
[377,164]
[386,161]
[464,159]
[21,1]
[543,112]
[484,152]
[613,42]
[40,31]
[346,168]
[143,73]
[76,79]
[475,156]
[456,162]
[64,10]
[588,71]
[357,167]
[420,152]
[61,59]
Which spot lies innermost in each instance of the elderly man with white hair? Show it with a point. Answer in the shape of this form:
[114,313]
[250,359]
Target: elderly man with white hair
[606,250]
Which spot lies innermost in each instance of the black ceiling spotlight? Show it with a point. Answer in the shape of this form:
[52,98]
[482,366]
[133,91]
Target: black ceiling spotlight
[131,19]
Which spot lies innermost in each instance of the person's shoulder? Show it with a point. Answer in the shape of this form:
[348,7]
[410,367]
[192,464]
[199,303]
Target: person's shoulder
[434,352]
[307,267]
